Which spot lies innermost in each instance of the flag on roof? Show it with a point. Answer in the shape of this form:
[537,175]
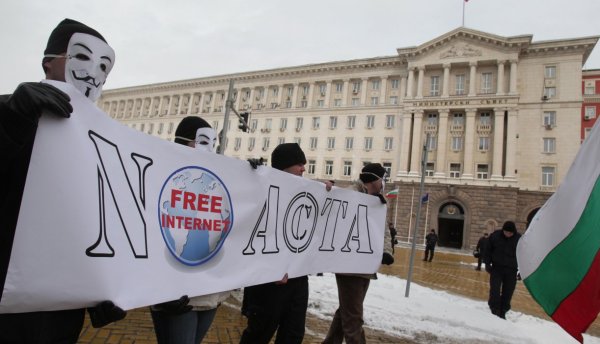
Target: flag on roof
[425,198]
[558,254]
[392,194]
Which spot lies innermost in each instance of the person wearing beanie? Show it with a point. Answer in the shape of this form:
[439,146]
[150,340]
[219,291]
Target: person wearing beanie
[500,258]
[347,323]
[67,58]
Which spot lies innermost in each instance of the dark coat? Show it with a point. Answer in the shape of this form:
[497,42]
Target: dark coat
[501,251]
[431,239]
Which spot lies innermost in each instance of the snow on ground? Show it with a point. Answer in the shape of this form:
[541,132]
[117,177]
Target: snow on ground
[441,316]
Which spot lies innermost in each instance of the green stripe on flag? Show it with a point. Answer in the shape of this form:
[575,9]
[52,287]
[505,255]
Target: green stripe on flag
[567,264]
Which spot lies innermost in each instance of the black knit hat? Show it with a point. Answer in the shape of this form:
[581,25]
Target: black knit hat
[286,155]
[61,35]
[509,226]
[186,130]
[372,172]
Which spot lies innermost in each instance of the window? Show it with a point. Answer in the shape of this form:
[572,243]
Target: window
[374,100]
[322,89]
[316,122]
[160,128]
[395,83]
[349,142]
[251,143]
[355,102]
[590,112]
[549,119]
[339,87]
[305,90]
[590,88]
[283,124]
[435,86]
[320,103]
[456,143]
[431,142]
[280,140]
[548,175]
[275,91]
[454,170]
[311,167]
[268,124]
[351,122]
[388,143]
[266,142]
[370,121]
[485,118]
[549,92]
[237,143]
[460,84]
[329,167]
[458,119]
[303,104]
[482,171]
[337,102]
[484,143]
[347,168]
[429,169]
[288,104]
[355,86]
[151,128]
[332,122]
[368,143]
[432,119]
[314,142]
[486,82]
[375,84]
[394,100]
[389,121]
[388,171]
[331,143]
[170,128]
[274,106]
[549,144]
[290,91]
[299,122]
[550,72]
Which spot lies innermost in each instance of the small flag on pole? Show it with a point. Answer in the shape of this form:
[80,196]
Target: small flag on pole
[392,194]
[425,198]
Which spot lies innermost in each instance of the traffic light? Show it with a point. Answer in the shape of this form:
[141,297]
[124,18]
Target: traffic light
[244,120]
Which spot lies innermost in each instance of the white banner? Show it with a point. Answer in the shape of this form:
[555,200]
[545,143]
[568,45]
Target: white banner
[110,213]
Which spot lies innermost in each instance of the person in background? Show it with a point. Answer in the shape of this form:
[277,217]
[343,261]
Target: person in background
[347,323]
[430,242]
[481,243]
[393,234]
[186,321]
[500,258]
[78,55]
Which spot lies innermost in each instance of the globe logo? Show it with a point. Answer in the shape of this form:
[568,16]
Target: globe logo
[195,214]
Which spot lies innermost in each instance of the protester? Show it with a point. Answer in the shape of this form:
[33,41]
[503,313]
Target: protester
[480,249]
[186,321]
[393,233]
[430,242]
[347,323]
[500,260]
[80,56]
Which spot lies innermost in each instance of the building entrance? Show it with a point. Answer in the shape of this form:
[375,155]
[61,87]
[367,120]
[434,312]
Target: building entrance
[450,225]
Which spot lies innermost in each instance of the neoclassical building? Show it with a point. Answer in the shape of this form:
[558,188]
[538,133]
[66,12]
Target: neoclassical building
[499,119]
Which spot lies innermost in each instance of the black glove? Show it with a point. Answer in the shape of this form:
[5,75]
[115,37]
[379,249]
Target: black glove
[104,313]
[31,98]
[488,267]
[381,198]
[256,162]
[176,306]
[387,259]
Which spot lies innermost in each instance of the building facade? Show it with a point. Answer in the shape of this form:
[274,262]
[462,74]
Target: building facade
[498,119]
[590,88]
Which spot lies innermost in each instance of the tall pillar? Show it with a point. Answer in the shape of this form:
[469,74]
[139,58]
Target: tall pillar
[417,145]
[420,82]
[513,77]
[212,101]
[311,91]
[500,88]
[498,144]
[363,91]
[511,144]
[446,81]
[238,99]
[328,94]
[442,144]
[472,78]
[469,143]
[200,108]
[405,139]
[345,92]
[295,95]
[410,83]
[279,96]
[383,90]
[402,94]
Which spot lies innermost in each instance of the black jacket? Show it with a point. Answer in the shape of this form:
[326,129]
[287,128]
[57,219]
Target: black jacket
[501,251]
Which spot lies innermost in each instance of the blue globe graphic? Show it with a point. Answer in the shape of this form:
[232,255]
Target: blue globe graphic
[195,214]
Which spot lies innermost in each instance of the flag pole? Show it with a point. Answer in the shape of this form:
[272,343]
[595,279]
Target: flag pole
[426,216]
[396,209]
[412,200]
[463,17]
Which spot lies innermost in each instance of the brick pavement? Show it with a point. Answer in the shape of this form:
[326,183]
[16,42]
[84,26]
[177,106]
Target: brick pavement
[452,271]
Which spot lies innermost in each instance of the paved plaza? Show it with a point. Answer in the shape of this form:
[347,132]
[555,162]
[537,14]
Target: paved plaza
[452,271]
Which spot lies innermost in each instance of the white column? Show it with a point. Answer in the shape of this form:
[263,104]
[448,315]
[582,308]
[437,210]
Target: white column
[328,94]
[513,77]
[405,143]
[417,145]
[469,143]
[200,108]
[472,77]
[383,90]
[345,93]
[442,145]
[295,95]
[410,83]
[446,81]
[363,91]
[311,91]
[498,144]
[213,100]
[420,82]
[511,144]
[402,88]
[500,88]
[238,100]
[279,96]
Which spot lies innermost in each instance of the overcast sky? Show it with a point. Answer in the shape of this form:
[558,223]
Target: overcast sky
[159,41]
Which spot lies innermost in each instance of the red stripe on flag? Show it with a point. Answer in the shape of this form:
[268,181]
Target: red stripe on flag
[576,312]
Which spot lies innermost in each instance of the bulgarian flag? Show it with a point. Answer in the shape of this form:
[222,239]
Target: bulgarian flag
[392,194]
[558,254]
